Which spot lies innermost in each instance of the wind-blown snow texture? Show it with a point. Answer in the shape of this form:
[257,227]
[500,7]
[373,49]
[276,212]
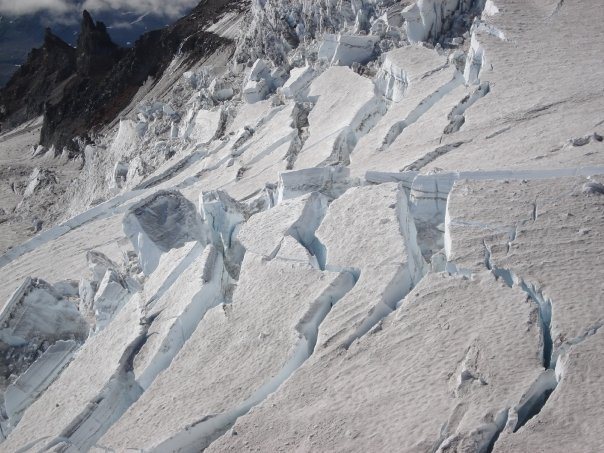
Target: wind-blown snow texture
[367,225]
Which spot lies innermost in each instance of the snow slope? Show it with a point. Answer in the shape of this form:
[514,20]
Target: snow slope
[377,227]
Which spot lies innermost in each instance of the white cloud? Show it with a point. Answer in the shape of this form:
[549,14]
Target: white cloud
[19,7]
[170,8]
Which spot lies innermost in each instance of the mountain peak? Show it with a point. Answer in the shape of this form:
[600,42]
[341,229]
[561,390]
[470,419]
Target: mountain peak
[87,20]
[53,41]
[46,68]
[97,53]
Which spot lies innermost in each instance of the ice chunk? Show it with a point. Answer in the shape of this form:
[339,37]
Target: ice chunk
[30,385]
[161,222]
[35,317]
[345,49]
[379,26]
[425,19]
[259,82]
[490,8]
[127,138]
[278,77]
[299,218]
[331,181]
[223,215]
[474,61]
[109,299]
[87,290]
[392,80]
[255,91]
[221,90]
[120,173]
[298,82]
[260,70]
[155,110]
[37,312]
[89,395]
[99,264]
[203,126]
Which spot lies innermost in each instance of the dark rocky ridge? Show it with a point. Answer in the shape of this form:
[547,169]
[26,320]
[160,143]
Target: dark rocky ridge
[79,90]
[19,34]
[40,80]
[96,52]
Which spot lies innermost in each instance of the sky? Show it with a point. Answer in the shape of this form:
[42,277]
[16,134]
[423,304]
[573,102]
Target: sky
[66,8]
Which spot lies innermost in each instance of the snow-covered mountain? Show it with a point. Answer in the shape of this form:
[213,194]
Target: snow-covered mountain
[291,225]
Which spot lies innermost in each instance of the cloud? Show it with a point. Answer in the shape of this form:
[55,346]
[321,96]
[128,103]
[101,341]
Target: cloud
[168,8]
[20,7]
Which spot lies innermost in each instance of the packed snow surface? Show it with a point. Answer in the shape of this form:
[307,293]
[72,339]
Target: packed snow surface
[355,226]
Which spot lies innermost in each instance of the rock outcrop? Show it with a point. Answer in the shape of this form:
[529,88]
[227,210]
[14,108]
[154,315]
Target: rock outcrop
[96,53]
[39,81]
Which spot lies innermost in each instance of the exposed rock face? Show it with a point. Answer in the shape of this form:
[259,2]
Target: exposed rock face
[40,80]
[96,53]
[126,21]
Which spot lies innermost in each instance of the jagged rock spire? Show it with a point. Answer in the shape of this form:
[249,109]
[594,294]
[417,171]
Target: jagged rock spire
[45,69]
[96,52]
[87,21]
[53,43]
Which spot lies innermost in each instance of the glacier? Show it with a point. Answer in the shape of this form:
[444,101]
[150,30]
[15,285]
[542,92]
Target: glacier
[293,225]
